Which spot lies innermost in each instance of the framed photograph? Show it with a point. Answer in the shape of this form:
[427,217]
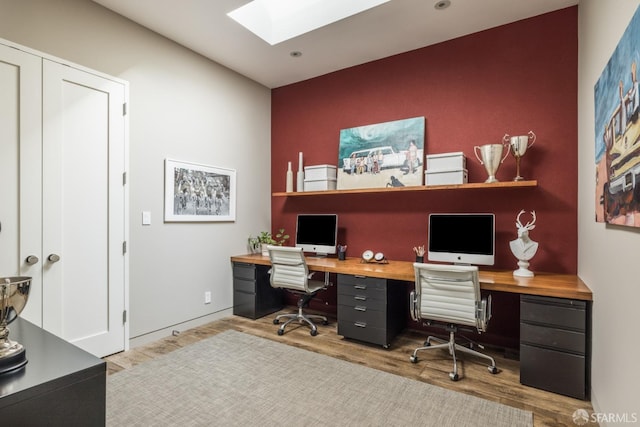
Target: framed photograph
[389,154]
[198,193]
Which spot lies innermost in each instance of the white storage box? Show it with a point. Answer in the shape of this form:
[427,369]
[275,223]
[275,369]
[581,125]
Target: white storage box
[446,161]
[319,184]
[317,172]
[445,177]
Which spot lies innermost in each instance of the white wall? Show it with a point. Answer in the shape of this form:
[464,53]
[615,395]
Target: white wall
[184,107]
[608,256]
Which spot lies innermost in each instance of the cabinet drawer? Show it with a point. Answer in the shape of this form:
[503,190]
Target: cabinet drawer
[244,285]
[554,371]
[244,304]
[362,283]
[363,332]
[360,315]
[244,271]
[557,312]
[365,301]
[560,339]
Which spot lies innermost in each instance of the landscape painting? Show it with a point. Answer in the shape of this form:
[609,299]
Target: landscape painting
[617,132]
[389,154]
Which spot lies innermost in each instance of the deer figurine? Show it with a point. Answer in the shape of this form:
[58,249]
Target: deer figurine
[523,248]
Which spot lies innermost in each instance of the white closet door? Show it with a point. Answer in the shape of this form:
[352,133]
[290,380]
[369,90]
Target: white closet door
[83,208]
[20,171]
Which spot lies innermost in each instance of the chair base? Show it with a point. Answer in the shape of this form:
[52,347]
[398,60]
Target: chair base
[301,317]
[452,346]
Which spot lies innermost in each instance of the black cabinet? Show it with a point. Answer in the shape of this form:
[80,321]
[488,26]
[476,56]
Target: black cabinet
[253,296]
[61,385]
[371,309]
[555,345]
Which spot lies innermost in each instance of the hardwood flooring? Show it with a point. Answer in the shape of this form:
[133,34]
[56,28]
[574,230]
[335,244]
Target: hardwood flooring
[433,367]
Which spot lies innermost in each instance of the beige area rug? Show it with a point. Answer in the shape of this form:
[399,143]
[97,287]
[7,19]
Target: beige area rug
[236,379]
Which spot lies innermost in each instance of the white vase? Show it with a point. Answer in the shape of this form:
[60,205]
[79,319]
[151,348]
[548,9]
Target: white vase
[265,251]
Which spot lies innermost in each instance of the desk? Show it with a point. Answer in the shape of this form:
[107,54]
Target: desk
[542,284]
[555,316]
[60,384]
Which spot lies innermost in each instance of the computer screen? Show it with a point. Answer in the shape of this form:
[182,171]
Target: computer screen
[462,238]
[317,233]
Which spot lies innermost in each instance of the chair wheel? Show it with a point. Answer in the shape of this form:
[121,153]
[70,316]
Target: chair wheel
[276,321]
[325,322]
[427,344]
[493,369]
[313,332]
[414,359]
[454,377]
[280,332]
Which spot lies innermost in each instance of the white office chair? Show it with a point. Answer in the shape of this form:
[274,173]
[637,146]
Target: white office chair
[289,271]
[450,296]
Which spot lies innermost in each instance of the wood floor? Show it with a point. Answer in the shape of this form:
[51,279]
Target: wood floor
[433,367]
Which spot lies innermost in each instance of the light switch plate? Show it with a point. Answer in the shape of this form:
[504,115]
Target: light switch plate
[146,218]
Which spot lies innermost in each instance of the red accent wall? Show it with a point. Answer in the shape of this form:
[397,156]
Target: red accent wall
[471,90]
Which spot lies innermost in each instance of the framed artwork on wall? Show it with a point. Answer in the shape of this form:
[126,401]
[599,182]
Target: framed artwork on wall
[617,132]
[389,154]
[198,193]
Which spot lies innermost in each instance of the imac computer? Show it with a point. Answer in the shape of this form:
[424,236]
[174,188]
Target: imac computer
[462,238]
[317,233]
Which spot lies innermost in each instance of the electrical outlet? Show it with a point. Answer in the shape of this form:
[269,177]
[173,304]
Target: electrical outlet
[207,297]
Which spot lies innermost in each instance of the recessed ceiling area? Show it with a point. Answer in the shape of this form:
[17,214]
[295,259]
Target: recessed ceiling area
[275,21]
[390,28]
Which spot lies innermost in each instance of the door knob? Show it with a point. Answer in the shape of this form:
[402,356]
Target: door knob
[53,258]
[31,259]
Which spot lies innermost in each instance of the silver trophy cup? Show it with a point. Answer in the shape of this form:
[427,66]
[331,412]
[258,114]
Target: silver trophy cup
[491,157]
[519,146]
[14,292]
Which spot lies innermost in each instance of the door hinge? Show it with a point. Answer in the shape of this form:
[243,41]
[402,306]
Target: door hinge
[124,316]
[124,178]
[124,109]
[124,247]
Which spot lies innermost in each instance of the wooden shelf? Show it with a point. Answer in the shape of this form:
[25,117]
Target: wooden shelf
[475,185]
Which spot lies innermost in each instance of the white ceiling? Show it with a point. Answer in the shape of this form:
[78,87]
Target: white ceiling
[391,28]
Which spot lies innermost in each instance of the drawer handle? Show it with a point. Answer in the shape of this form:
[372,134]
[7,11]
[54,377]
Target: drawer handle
[360,324]
[360,308]
[360,298]
[361,287]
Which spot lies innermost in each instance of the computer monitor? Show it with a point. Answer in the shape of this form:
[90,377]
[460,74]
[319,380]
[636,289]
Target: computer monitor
[462,238]
[317,233]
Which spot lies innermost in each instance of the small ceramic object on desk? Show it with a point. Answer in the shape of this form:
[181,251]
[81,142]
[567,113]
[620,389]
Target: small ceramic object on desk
[523,248]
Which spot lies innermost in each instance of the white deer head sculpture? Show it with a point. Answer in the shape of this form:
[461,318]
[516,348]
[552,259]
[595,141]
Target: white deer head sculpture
[523,230]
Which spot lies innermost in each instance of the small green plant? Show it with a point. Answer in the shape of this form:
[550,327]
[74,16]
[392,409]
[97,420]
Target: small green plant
[266,238]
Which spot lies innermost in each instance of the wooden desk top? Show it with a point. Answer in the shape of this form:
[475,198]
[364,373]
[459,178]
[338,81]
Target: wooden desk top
[544,284]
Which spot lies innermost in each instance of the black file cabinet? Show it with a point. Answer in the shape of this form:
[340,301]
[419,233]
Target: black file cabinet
[253,296]
[555,343]
[371,309]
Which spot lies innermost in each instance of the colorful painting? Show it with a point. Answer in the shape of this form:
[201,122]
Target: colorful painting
[389,154]
[617,130]
[195,192]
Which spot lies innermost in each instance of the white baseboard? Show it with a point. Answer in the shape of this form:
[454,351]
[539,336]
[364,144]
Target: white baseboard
[180,327]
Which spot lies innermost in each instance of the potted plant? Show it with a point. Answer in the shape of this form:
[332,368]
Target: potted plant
[265,238]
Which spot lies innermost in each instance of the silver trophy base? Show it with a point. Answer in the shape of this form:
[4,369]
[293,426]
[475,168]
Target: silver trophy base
[13,356]
[491,179]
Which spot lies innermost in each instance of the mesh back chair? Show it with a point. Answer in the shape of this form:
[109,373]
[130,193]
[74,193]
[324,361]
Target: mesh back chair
[289,271]
[449,295]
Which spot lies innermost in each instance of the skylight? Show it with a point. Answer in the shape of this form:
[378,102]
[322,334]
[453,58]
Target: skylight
[275,21]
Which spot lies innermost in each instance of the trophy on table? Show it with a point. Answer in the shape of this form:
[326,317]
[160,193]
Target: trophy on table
[491,157]
[519,146]
[14,292]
